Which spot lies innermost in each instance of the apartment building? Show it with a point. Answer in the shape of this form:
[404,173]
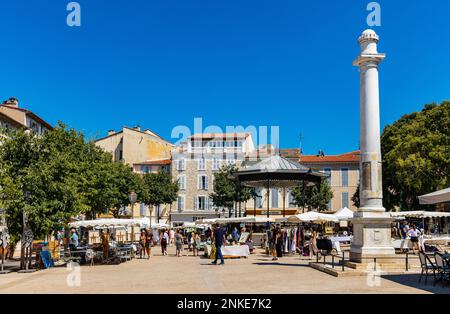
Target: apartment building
[194,163]
[13,117]
[144,151]
[343,177]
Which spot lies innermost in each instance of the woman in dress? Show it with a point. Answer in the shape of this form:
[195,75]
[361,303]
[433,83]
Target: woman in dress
[148,243]
[142,243]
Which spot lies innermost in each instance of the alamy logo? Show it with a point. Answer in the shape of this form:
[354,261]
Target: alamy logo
[73,279]
[74,17]
[374,17]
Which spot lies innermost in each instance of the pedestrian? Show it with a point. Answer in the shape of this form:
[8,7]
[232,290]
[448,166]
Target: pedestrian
[195,243]
[148,243]
[219,237]
[279,242]
[73,241]
[179,243]
[105,244]
[164,241]
[272,242]
[142,243]
[171,237]
[414,234]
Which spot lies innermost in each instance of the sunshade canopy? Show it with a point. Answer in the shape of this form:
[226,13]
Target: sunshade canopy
[234,220]
[344,214]
[420,214]
[313,217]
[442,196]
[115,222]
[278,172]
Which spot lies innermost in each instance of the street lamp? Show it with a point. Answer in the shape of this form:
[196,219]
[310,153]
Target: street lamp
[133,199]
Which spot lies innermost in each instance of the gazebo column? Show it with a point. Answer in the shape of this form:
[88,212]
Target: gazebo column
[268,198]
[284,202]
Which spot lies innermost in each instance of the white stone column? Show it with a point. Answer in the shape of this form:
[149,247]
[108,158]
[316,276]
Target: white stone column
[371,225]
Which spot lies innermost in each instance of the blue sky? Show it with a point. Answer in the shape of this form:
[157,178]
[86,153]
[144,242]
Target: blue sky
[159,64]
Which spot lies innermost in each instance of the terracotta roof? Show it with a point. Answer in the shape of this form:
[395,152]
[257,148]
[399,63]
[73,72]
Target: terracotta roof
[161,162]
[347,157]
[207,136]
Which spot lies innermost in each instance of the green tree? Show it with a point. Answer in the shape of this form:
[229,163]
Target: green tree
[355,198]
[314,196]
[228,191]
[159,189]
[416,156]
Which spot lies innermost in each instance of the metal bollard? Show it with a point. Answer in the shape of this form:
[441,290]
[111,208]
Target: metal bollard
[375,264]
[343,260]
[332,261]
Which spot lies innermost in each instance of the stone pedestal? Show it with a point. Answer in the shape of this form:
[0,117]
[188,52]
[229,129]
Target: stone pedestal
[372,237]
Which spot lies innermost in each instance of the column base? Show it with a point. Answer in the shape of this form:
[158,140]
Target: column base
[371,236]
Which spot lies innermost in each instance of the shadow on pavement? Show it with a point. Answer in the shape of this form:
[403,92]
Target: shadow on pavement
[412,281]
[280,264]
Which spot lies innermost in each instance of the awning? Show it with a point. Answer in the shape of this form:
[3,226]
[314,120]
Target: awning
[344,214]
[442,196]
[419,214]
[116,222]
[234,220]
[313,217]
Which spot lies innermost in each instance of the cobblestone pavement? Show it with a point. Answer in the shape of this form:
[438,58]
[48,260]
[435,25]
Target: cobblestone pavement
[170,274]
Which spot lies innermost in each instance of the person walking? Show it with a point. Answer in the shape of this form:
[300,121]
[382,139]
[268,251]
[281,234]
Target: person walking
[148,243]
[279,242]
[414,234]
[164,241]
[171,237]
[219,237]
[272,242]
[142,243]
[195,243]
[179,243]
[105,244]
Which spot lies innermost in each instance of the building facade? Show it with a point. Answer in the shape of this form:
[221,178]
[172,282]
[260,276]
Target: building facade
[146,152]
[194,164]
[343,177]
[13,117]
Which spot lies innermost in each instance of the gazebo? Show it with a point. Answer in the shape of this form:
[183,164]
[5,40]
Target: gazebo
[278,172]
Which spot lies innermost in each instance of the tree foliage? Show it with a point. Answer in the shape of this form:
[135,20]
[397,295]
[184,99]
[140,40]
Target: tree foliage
[416,156]
[314,196]
[228,191]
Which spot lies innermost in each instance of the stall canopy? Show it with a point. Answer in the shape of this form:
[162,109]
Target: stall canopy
[419,214]
[313,217]
[234,220]
[116,222]
[442,196]
[344,214]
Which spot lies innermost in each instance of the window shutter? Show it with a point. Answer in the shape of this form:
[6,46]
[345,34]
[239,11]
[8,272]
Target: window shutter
[206,203]
[206,183]
[199,182]
[195,202]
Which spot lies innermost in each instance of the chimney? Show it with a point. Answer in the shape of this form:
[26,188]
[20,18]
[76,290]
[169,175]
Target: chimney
[13,102]
[111,132]
[137,127]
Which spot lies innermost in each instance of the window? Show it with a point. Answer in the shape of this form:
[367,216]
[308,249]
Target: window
[180,203]
[231,161]
[201,203]
[202,183]
[215,163]
[274,197]
[344,176]
[344,199]
[259,203]
[181,164]
[145,169]
[330,206]
[182,182]
[142,210]
[201,164]
[328,172]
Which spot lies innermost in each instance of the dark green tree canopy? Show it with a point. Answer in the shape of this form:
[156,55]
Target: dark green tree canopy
[416,156]
[313,197]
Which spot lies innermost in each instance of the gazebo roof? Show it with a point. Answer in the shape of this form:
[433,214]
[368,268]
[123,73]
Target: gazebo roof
[279,171]
[276,163]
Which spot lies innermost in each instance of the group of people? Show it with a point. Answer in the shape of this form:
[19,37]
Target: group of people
[169,238]
[405,230]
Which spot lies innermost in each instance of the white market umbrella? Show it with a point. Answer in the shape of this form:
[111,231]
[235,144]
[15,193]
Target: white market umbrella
[313,217]
[344,214]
